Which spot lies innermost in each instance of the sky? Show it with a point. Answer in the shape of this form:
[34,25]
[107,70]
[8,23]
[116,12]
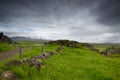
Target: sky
[95,21]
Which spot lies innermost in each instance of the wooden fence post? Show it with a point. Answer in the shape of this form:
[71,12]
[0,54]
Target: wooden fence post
[43,48]
[20,51]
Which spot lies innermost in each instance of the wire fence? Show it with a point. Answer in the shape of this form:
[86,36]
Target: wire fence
[21,48]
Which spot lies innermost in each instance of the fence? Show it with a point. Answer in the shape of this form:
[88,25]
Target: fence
[21,46]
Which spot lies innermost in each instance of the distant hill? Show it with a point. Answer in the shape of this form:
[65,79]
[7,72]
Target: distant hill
[21,38]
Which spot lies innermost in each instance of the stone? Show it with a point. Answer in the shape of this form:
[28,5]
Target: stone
[71,44]
[111,50]
[8,75]
[1,35]
[5,38]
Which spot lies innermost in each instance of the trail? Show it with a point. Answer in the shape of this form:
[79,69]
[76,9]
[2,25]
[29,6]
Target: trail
[9,54]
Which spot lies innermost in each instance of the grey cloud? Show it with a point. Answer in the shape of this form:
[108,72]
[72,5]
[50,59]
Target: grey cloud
[108,12]
[13,33]
[82,20]
[115,38]
[58,9]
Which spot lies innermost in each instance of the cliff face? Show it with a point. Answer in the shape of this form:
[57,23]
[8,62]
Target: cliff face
[4,38]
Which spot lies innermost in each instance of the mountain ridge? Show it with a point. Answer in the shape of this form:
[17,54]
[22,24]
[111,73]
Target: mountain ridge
[23,38]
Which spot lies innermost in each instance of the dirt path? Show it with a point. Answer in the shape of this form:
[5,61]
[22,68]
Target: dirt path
[9,54]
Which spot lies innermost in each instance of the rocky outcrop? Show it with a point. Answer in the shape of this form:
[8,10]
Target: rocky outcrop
[1,35]
[111,50]
[4,38]
[74,44]
[71,44]
[91,47]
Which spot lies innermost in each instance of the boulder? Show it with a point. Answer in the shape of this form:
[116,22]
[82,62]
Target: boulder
[1,35]
[8,75]
[5,38]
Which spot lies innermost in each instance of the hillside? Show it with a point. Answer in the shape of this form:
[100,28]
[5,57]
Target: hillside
[70,63]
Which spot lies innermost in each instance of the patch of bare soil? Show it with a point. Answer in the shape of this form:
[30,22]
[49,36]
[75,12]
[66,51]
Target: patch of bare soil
[9,54]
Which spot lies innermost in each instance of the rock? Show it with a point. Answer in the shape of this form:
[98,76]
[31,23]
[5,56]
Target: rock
[25,60]
[46,55]
[39,65]
[14,62]
[42,57]
[52,53]
[1,35]
[5,38]
[91,47]
[88,45]
[8,75]
[71,44]
[111,50]
[35,57]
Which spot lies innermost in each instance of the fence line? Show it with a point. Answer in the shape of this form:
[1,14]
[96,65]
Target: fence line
[21,46]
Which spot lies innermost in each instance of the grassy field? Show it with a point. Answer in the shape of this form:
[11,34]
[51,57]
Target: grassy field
[104,46]
[5,47]
[76,64]
[70,64]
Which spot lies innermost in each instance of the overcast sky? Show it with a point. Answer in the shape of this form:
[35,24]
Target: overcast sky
[80,20]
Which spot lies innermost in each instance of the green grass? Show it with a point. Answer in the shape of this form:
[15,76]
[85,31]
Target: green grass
[104,46]
[4,47]
[70,64]
[26,54]
[75,64]
[114,56]
[36,50]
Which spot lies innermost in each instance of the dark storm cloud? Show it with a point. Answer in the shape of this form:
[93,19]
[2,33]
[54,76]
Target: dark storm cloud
[91,19]
[10,9]
[108,12]
[13,33]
